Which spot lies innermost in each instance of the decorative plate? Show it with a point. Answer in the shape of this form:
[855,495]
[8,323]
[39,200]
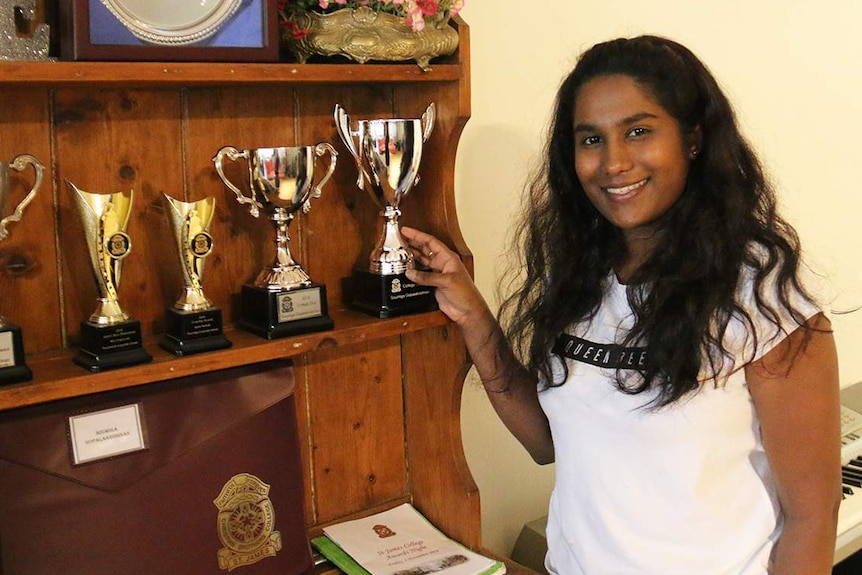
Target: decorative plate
[171,23]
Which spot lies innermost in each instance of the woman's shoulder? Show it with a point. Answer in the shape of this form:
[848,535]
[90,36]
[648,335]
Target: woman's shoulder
[772,301]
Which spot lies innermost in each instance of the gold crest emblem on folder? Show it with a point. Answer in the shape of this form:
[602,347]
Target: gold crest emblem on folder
[246,522]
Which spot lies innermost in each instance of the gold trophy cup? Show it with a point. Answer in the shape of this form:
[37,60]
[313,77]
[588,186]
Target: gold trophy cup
[13,367]
[194,323]
[109,338]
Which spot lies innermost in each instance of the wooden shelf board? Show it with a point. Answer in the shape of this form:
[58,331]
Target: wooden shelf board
[214,73]
[55,376]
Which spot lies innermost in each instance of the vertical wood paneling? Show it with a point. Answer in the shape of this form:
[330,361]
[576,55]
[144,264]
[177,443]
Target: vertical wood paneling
[435,364]
[245,119]
[303,420]
[28,256]
[357,434]
[109,141]
[430,205]
[341,228]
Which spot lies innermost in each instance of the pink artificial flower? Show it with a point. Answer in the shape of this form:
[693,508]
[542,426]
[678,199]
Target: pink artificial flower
[415,21]
[428,7]
[323,4]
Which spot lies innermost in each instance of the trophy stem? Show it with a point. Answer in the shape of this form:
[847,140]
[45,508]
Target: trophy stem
[284,273]
[193,299]
[108,312]
[391,256]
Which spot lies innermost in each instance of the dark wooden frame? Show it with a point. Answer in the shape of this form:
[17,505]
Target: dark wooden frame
[75,41]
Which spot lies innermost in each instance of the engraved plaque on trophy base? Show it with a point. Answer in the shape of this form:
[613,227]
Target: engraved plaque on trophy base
[110,346]
[390,295]
[289,312]
[12,366]
[194,331]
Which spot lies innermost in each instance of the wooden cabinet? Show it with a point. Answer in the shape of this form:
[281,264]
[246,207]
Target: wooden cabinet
[378,399]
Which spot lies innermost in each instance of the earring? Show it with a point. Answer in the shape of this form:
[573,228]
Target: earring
[693,154]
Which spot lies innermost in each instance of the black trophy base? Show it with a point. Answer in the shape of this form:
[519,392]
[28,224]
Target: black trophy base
[289,312]
[110,346]
[392,295]
[192,332]
[13,369]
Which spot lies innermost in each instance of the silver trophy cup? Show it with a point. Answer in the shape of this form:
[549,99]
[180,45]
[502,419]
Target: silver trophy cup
[18,164]
[283,299]
[388,153]
[13,367]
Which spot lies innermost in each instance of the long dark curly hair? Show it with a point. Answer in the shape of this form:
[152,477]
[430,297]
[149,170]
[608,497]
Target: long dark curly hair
[684,295]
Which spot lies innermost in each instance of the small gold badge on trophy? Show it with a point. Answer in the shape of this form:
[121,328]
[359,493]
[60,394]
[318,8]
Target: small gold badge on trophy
[194,323]
[283,299]
[13,367]
[109,338]
[387,155]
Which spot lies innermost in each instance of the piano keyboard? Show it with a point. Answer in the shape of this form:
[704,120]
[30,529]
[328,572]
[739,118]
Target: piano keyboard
[850,513]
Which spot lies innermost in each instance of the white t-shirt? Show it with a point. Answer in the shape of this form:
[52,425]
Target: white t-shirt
[683,490]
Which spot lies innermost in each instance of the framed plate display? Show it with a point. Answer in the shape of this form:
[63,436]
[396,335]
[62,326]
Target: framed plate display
[169,30]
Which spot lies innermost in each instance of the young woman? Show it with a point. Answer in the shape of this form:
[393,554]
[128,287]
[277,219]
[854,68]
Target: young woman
[662,348]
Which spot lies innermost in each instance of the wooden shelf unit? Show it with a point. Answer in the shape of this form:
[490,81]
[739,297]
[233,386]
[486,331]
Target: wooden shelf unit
[378,400]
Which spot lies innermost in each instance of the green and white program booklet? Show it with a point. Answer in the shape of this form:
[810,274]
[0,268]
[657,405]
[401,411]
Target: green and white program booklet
[401,541]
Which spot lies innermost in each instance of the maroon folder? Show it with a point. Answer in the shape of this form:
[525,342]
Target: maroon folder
[217,487]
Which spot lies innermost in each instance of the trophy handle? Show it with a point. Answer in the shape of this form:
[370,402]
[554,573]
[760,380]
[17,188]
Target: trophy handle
[18,164]
[319,150]
[342,123]
[233,155]
[428,121]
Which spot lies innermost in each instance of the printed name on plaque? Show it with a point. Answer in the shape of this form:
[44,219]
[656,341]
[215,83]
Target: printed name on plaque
[106,433]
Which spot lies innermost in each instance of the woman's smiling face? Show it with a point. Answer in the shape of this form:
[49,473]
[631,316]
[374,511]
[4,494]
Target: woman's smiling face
[631,156]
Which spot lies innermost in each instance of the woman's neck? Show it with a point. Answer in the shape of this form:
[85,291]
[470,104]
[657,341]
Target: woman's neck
[639,248]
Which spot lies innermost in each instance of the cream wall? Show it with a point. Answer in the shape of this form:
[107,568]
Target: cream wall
[792,68]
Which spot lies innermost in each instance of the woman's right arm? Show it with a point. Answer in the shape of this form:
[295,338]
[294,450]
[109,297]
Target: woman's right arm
[511,389]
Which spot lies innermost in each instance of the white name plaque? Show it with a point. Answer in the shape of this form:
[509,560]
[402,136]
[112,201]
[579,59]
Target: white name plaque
[299,304]
[107,433]
[7,353]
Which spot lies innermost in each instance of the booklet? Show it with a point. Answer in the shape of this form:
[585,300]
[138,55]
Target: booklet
[400,541]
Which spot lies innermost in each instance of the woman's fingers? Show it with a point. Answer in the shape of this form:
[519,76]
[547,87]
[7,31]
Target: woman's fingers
[424,278]
[431,253]
[425,246]
[456,293]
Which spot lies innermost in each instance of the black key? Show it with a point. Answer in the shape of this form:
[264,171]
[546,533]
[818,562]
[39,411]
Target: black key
[851,481]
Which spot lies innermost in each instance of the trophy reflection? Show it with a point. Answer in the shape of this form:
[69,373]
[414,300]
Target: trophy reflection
[13,367]
[387,154]
[109,338]
[194,323]
[283,300]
